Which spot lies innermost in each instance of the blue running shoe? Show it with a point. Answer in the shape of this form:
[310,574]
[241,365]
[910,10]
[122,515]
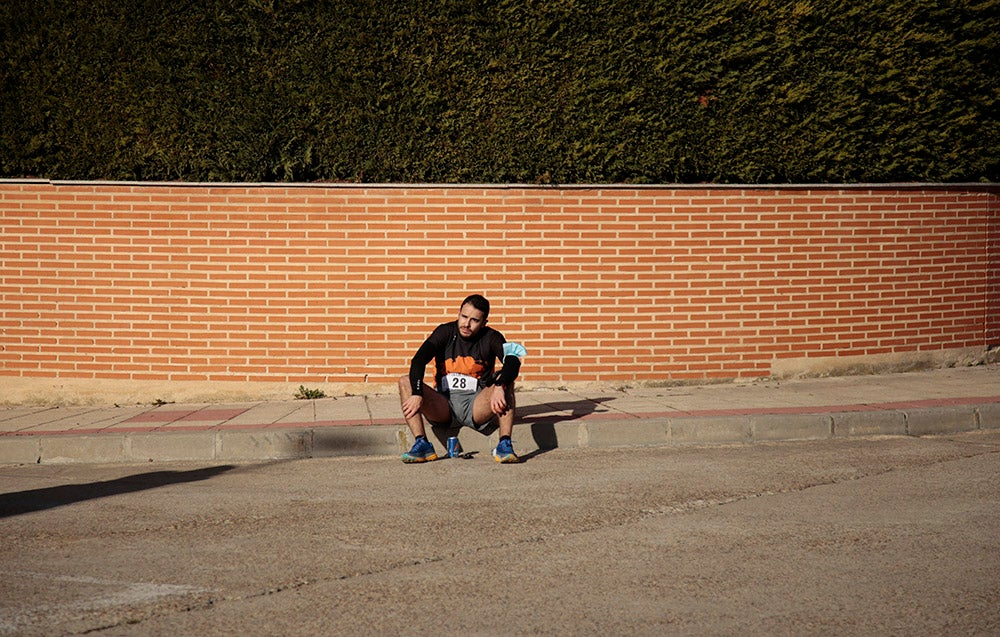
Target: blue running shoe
[422,451]
[504,453]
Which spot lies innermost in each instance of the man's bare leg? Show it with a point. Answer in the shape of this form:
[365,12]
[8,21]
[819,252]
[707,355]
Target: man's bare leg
[506,420]
[430,404]
[497,402]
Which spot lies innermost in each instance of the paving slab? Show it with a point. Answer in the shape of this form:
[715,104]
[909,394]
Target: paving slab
[347,409]
[57,419]
[302,412]
[18,413]
[262,414]
[383,409]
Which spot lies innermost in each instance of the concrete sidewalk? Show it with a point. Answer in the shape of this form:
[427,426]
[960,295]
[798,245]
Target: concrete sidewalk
[918,403]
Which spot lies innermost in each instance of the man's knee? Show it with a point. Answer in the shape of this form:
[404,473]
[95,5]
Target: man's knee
[404,385]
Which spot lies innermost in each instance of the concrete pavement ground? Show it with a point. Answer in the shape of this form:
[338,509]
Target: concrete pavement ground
[865,535]
[914,403]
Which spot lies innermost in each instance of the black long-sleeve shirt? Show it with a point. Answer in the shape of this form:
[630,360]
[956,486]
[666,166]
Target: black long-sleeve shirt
[476,356]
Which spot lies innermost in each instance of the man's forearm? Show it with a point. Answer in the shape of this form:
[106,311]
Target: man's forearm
[417,367]
[509,372]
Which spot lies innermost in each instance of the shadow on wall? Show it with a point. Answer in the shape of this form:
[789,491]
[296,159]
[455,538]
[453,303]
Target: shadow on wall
[22,502]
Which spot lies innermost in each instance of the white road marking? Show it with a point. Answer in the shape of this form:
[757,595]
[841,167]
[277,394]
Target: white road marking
[123,594]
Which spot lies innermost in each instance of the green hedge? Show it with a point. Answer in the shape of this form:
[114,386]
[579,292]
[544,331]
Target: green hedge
[500,91]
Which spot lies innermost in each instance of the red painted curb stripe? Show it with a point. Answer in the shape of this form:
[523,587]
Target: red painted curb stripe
[158,419]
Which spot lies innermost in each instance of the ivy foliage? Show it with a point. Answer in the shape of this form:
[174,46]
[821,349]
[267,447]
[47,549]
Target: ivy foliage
[501,91]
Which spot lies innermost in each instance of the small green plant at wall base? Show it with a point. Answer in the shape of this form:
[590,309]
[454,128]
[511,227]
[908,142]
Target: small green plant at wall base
[308,394]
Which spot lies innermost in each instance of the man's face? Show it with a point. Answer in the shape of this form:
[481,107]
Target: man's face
[470,320]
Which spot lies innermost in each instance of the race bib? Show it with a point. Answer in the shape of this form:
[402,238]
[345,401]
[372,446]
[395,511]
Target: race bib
[459,383]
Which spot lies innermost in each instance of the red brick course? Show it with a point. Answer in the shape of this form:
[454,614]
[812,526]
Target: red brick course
[311,284]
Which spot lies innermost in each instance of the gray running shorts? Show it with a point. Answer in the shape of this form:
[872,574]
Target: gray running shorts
[461,410]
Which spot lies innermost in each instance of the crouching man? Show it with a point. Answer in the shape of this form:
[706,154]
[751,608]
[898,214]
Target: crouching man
[468,390]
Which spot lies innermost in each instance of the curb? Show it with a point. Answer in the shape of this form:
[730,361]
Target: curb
[754,426]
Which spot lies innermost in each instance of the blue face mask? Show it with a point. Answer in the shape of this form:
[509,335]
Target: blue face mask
[514,349]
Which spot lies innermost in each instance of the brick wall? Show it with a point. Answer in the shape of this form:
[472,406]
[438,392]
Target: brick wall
[328,284]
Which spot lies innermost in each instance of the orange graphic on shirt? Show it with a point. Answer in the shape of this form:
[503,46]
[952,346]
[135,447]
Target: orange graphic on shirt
[463,365]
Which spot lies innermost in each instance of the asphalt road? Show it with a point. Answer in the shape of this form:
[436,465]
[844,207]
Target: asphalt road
[859,536]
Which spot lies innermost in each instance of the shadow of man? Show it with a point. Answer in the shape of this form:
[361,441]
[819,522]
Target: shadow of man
[22,502]
[542,419]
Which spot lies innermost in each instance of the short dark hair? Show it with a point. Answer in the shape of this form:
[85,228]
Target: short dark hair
[479,302]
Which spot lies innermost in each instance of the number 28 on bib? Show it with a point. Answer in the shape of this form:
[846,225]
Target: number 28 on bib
[459,383]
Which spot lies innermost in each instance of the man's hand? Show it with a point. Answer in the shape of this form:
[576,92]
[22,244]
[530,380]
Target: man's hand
[498,401]
[411,406]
